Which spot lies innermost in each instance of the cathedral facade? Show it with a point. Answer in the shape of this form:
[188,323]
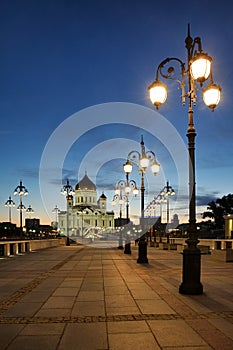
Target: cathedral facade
[84,211]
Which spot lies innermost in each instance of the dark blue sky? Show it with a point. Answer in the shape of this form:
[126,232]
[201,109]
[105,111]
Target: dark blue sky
[59,57]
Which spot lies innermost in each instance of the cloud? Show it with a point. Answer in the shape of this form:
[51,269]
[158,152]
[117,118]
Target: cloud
[28,172]
[206,198]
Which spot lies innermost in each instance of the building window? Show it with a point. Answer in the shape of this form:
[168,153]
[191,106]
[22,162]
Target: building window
[103,222]
[110,223]
[96,223]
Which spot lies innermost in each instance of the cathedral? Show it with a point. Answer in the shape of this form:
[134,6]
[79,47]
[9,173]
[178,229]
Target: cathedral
[84,212]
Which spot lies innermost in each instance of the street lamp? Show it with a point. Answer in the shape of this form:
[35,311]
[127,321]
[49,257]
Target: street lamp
[68,191]
[30,211]
[159,200]
[10,203]
[56,210]
[198,71]
[21,191]
[130,185]
[166,192]
[120,197]
[144,160]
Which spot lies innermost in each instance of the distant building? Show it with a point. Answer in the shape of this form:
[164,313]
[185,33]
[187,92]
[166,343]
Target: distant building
[32,226]
[7,229]
[85,211]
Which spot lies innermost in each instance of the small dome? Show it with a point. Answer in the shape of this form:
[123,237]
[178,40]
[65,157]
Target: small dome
[103,196]
[85,184]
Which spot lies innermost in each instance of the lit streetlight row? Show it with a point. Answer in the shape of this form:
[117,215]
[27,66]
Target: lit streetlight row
[166,192]
[21,191]
[121,196]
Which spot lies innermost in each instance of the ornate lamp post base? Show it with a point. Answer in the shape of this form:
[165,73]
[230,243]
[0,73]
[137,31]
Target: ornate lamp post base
[127,248]
[142,252]
[191,272]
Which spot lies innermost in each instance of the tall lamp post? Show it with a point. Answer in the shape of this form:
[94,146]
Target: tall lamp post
[166,192]
[198,70]
[56,210]
[21,191]
[159,200]
[144,160]
[68,191]
[120,197]
[129,185]
[10,203]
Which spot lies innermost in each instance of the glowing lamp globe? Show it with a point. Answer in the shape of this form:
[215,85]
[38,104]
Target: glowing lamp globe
[155,168]
[144,162]
[200,67]
[211,95]
[135,191]
[158,93]
[128,167]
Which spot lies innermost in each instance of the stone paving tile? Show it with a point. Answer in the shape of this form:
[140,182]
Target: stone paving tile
[128,327]
[23,310]
[53,313]
[114,290]
[136,341]
[224,325]
[37,297]
[89,286]
[175,333]
[7,333]
[48,342]
[156,306]
[71,283]
[88,308]
[90,296]
[119,310]
[86,336]
[43,329]
[215,338]
[65,292]
[59,302]
[111,282]
[141,294]
[119,300]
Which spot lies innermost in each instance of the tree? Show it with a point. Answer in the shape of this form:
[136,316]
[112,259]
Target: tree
[217,209]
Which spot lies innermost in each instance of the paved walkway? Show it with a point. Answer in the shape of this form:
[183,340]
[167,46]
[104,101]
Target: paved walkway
[78,298]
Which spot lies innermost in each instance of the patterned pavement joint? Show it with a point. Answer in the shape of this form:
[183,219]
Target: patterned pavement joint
[113,318]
